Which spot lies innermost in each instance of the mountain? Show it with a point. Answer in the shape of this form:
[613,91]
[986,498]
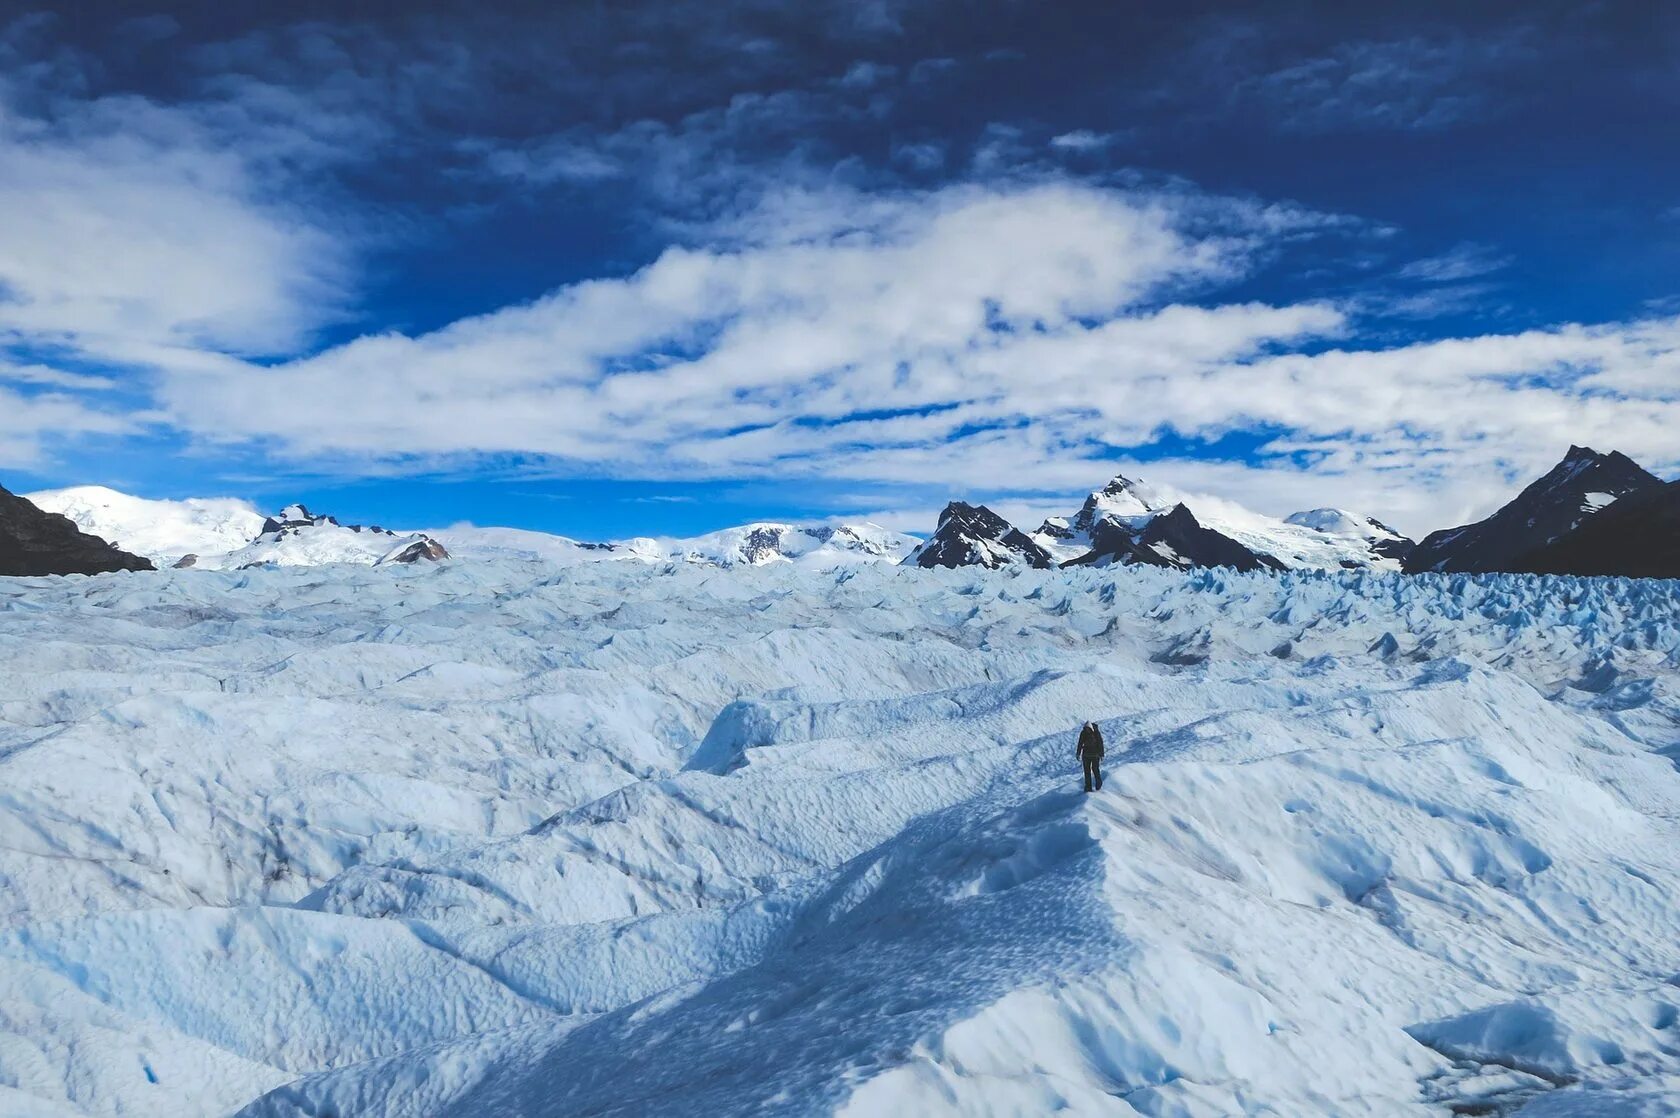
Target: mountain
[36,542]
[224,533]
[1122,501]
[820,546]
[1578,487]
[1637,536]
[1383,546]
[297,537]
[974,535]
[162,531]
[1114,526]
[816,545]
[1172,539]
[470,541]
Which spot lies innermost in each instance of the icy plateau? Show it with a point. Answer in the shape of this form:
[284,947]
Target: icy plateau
[510,838]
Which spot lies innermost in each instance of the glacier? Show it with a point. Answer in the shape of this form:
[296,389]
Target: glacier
[515,837]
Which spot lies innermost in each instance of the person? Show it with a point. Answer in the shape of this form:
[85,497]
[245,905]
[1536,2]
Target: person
[1090,752]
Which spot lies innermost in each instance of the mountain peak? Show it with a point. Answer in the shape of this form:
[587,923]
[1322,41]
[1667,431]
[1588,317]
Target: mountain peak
[974,535]
[1549,508]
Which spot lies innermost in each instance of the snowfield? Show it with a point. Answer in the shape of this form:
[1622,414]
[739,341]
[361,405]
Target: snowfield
[507,837]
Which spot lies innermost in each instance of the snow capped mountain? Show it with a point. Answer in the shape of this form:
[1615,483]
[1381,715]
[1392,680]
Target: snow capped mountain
[1122,502]
[162,531]
[472,542]
[298,538]
[35,541]
[818,545]
[1385,548]
[1174,539]
[975,536]
[1578,487]
[1114,526]
[222,534]
[483,839]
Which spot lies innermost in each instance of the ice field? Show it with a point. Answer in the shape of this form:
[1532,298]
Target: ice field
[503,837]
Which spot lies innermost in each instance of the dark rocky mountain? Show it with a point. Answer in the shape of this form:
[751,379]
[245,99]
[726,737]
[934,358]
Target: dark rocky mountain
[423,548]
[1638,536]
[1549,509]
[1173,539]
[974,535]
[33,542]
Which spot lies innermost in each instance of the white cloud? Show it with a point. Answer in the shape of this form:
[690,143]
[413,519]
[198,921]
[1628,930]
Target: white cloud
[1420,83]
[28,421]
[125,222]
[1085,140]
[1001,340]
[1462,262]
[1004,341]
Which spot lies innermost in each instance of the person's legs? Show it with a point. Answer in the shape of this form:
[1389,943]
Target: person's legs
[1090,772]
[1096,767]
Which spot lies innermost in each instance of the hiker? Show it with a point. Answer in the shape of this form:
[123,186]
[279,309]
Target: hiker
[1090,752]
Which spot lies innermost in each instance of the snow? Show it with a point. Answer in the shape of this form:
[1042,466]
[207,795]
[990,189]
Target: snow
[312,544]
[818,546]
[162,531]
[534,837]
[1323,539]
[1594,502]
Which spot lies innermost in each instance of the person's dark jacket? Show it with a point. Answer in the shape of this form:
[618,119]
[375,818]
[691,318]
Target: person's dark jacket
[1090,741]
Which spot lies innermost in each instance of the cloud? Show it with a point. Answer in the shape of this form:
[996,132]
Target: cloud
[978,339]
[130,221]
[30,421]
[1416,83]
[1461,262]
[1005,331]
[1084,140]
[879,306]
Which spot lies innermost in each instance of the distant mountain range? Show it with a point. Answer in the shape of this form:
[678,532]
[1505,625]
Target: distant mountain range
[1128,522]
[228,534]
[1594,514]
[1591,514]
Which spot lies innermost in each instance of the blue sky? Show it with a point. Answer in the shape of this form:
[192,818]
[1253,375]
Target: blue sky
[663,267]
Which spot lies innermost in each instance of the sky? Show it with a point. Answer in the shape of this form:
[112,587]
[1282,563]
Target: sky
[609,269]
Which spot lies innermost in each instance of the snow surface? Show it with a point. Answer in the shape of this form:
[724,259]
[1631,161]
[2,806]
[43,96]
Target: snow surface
[162,531]
[511,837]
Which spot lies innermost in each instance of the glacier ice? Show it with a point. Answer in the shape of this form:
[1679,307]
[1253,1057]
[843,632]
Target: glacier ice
[519,837]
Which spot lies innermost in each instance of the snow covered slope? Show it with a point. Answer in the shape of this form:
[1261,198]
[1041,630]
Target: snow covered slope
[470,541]
[298,538]
[819,546]
[814,545]
[1112,523]
[1383,548]
[162,531]
[489,838]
